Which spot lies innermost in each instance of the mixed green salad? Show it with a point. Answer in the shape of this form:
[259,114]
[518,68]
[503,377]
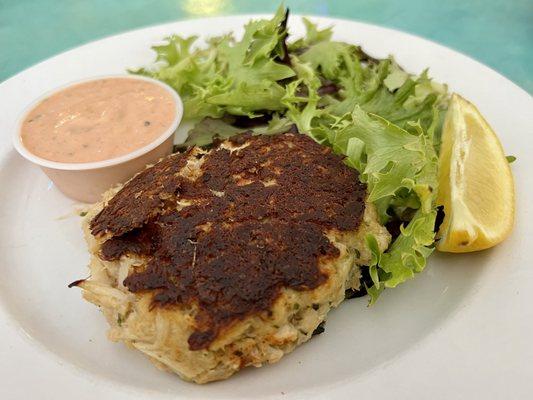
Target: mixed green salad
[384,120]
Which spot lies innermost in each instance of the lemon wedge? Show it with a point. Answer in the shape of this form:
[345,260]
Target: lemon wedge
[475,182]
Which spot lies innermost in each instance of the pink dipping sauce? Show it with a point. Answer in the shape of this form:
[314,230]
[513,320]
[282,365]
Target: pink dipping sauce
[98,120]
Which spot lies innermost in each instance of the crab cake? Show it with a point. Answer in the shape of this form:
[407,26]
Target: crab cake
[213,260]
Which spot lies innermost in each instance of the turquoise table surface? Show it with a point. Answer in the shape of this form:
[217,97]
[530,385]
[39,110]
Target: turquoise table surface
[498,33]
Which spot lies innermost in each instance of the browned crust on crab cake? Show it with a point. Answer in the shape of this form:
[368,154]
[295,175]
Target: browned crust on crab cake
[228,241]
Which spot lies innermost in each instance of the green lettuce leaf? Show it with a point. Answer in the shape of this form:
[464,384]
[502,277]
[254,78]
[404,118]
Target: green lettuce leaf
[208,129]
[400,169]
[227,77]
[406,256]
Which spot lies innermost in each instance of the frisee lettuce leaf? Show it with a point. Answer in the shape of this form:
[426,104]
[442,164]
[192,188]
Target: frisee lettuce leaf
[406,256]
[228,76]
[395,158]
[208,129]
[384,120]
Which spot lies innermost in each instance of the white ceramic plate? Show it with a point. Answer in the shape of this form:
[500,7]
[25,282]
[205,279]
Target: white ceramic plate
[461,329]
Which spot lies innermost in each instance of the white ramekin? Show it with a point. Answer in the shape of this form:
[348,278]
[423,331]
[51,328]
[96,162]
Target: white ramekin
[87,181]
